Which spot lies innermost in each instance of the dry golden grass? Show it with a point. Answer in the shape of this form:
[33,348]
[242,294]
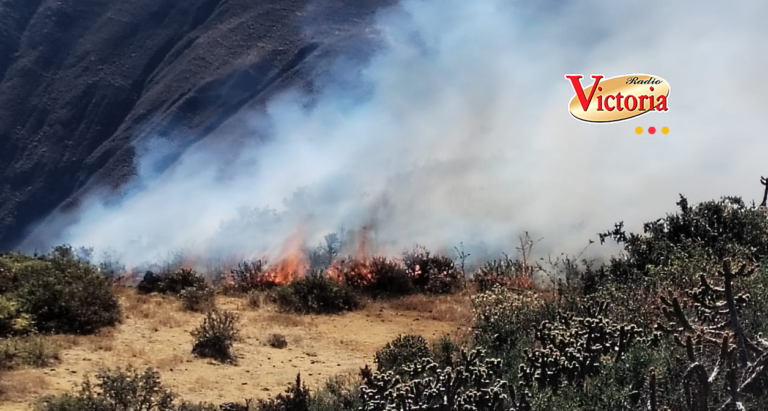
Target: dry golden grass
[449,308]
[21,385]
[156,332]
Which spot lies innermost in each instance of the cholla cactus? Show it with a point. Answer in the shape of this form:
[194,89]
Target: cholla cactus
[716,323]
[502,316]
[573,348]
[474,385]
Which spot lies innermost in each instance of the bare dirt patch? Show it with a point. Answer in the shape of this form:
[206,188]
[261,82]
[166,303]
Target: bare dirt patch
[155,332]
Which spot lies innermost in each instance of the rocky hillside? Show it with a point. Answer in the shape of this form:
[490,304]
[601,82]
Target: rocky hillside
[81,80]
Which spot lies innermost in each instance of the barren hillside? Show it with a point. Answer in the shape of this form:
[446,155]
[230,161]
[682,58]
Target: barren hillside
[80,81]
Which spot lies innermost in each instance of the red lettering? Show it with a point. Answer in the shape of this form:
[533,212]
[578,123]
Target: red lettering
[642,103]
[576,83]
[661,103]
[607,107]
[618,101]
[633,101]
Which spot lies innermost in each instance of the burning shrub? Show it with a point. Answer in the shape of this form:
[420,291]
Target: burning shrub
[315,294]
[216,335]
[377,276]
[198,299]
[250,276]
[56,293]
[433,274]
[405,349]
[504,273]
[173,282]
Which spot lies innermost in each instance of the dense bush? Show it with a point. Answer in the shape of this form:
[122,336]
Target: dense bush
[296,398]
[376,276]
[474,384]
[712,231]
[404,349]
[503,318]
[250,276]
[171,282]
[29,351]
[55,293]
[433,274]
[505,273]
[315,294]
[121,390]
[216,335]
[444,351]
[198,299]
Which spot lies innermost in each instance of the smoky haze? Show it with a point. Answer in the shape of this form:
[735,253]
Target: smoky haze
[457,130]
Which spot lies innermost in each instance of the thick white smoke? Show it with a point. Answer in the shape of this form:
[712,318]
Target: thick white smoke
[458,130]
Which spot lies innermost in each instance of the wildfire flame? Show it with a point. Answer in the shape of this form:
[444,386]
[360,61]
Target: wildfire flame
[293,263]
[358,269]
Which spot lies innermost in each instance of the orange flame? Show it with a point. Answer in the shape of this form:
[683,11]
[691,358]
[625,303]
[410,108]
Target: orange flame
[358,269]
[293,263]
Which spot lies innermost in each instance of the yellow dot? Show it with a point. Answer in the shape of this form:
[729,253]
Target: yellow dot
[639,130]
[665,130]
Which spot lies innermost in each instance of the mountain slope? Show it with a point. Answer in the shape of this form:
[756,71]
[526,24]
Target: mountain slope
[81,81]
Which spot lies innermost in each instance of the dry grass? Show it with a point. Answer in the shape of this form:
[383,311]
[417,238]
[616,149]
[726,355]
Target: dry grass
[449,308]
[156,332]
[21,385]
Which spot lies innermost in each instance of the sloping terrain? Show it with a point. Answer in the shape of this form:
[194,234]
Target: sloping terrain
[80,81]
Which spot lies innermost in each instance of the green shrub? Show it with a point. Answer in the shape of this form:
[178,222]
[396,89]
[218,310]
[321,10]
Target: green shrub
[503,318]
[315,294]
[444,351]
[30,351]
[475,384]
[58,293]
[198,299]
[404,349]
[216,335]
[338,394]
[12,320]
[713,230]
[121,390]
[296,398]
[433,274]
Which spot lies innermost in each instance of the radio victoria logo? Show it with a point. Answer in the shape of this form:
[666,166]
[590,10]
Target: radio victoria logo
[617,98]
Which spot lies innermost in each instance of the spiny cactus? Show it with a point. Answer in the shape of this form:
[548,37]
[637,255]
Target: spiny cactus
[474,385]
[716,323]
[572,349]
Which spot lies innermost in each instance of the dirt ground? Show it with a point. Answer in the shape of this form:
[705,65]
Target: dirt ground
[156,332]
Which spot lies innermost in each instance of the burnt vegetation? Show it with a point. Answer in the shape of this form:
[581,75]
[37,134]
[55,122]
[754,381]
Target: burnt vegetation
[676,321]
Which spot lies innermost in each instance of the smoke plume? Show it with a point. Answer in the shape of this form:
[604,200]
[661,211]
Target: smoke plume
[457,130]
